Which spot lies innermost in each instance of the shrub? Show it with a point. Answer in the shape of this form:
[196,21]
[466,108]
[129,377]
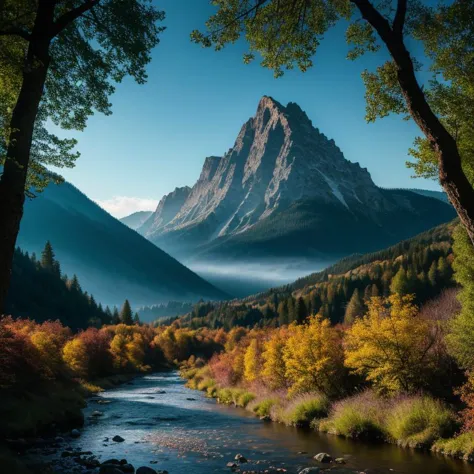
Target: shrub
[262,407]
[245,398]
[360,416]
[419,421]
[303,409]
[461,446]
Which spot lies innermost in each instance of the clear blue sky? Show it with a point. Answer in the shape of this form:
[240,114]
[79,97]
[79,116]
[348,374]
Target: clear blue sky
[196,100]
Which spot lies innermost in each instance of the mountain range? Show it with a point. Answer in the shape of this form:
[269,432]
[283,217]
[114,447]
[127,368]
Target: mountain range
[136,220]
[285,190]
[112,261]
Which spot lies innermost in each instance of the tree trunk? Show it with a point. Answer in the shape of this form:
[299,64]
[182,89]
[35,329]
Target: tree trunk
[13,179]
[451,175]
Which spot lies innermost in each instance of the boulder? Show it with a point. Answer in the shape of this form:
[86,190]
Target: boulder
[232,465]
[75,433]
[310,470]
[340,461]
[128,468]
[240,458]
[146,470]
[112,461]
[110,469]
[118,439]
[323,457]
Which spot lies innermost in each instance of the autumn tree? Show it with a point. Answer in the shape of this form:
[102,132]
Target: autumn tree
[252,362]
[274,368]
[314,357]
[390,346]
[59,61]
[287,33]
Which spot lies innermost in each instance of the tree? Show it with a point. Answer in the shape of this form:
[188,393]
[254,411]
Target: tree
[314,357]
[287,33]
[274,369]
[399,283]
[136,319]
[47,257]
[355,308]
[126,314]
[301,311]
[115,316]
[390,345]
[252,361]
[59,61]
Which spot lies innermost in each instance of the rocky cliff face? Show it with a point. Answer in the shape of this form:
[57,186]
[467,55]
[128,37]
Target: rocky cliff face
[278,159]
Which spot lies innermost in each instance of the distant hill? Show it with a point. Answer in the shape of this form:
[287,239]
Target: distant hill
[41,295]
[425,259]
[112,261]
[285,190]
[440,195]
[136,220]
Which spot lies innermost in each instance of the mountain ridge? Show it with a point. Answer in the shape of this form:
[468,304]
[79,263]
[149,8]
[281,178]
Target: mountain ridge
[279,168]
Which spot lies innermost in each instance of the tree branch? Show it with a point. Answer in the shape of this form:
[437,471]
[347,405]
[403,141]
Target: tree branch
[65,20]
[400,16]
[14,31]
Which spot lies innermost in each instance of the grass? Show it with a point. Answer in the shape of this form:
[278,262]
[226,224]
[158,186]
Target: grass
[262,407]
[360,416]
[461,446]
[302,410]
[419,421]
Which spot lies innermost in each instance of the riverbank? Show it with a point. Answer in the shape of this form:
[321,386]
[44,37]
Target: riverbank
[417,422]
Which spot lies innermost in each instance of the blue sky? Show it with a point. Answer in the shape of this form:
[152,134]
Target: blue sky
[195,102]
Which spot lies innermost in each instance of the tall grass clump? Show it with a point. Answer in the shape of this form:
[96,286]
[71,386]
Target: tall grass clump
[262,407]
[418,421]
[302,410]
[461,446]
[360,416]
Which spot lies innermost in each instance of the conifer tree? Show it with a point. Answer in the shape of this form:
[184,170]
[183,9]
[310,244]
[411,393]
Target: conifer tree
[283,313]
[399,283]
[136,319]
[300,311]
[47,257]
[433,274]
[126,314]
[115,316]
[355,308]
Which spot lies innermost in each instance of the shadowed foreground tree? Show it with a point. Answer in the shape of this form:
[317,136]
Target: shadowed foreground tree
[287,33]
[59,60]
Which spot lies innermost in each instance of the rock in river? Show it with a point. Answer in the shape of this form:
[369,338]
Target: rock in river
[323,457]
[118,439]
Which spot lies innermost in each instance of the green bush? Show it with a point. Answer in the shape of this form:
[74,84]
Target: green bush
[263,407]
[245,398]
[360,416]
[204,384]
[419,421]
[303,409]
[461,446]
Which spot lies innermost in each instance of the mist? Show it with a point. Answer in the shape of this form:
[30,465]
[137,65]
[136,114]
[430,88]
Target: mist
[241,279]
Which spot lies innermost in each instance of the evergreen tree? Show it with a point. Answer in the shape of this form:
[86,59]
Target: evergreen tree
[300,311]
[115,316]
[136,319]
[355,308]
[126,314]
[399,283]
[47,257]
[283,313]
[433,274]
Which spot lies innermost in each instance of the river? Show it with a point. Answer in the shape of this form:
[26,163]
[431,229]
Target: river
[168,426]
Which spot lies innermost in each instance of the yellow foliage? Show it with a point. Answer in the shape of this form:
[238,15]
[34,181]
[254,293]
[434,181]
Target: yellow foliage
[76,357]
[252,361]
[274,368]
[390,345]
[314,357]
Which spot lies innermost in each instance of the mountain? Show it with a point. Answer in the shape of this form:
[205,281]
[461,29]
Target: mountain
[285,190]
[442,196]
[136,220]
[112,261]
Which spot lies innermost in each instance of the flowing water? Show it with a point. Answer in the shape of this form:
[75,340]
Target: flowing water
[168,426]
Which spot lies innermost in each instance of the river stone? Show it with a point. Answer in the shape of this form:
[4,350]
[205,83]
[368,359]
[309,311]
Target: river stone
[340,461]
[112,461]
[310,470]
[97,413]
[75,433]
[231,465]
[146,470]
[240,458]
[110,469]
[118,439]
[323,457]
[127,468]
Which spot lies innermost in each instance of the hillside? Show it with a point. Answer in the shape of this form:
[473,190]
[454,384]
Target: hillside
[420,265]
[285,190]
[43,294]
[112,261]
[136,220]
